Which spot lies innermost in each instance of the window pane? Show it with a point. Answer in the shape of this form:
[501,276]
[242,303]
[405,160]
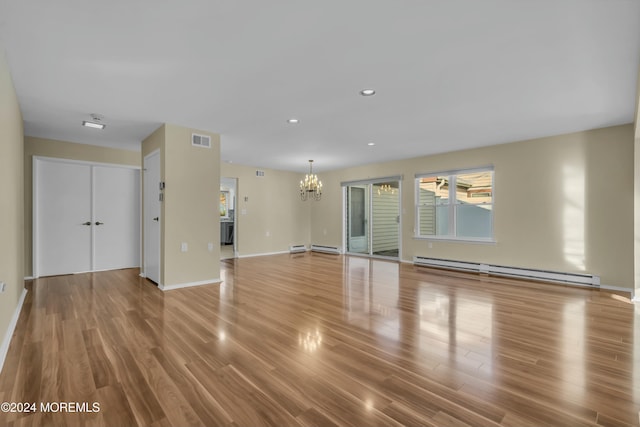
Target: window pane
[434,190]
[434,220]
[473,220]
[442,220]
[475,187]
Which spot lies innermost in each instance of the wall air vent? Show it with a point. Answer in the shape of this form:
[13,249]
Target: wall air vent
[200,140]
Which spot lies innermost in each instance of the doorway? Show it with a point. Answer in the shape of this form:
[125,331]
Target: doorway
[373,217]
[228,217]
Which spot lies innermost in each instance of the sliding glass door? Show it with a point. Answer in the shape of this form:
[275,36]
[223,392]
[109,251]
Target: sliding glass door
[372,217]
[358,219]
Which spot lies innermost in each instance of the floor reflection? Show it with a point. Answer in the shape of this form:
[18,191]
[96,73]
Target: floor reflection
[371,295]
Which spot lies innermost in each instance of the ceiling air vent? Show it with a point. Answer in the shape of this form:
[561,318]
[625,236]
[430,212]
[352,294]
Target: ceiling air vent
[200,140]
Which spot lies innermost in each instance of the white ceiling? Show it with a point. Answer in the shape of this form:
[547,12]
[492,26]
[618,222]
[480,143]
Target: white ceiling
[449,74]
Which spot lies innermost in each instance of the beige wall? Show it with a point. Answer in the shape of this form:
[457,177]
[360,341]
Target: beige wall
[190,207]
[562,203]
[62,150]
[11,197]
[272,206]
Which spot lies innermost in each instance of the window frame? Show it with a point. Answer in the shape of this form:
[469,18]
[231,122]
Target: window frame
[452,202]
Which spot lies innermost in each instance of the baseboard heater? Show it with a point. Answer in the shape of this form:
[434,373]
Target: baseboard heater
[325,249]
[524,273]
[296,249]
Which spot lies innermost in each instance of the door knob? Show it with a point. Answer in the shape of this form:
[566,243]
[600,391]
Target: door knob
[86,223]
[156,218]
[99,223]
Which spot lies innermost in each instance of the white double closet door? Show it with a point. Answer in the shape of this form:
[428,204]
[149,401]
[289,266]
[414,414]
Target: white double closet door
[86,217]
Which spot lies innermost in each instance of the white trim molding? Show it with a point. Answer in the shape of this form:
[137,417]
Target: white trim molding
[4,347]
[189,284]
[262,254]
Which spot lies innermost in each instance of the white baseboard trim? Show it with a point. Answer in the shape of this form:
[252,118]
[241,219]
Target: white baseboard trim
[263,254]
[616,288]
[188,285]
[29,278]
[4,348]
[142,274]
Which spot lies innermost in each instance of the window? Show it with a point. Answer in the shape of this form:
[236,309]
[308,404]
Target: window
[455,205]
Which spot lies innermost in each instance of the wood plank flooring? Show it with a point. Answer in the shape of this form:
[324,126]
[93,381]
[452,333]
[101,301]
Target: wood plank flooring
[324,340]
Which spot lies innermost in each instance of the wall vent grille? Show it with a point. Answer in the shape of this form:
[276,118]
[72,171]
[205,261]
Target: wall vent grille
[200,140]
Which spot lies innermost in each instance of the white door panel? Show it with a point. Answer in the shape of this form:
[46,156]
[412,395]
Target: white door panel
[63,218]
[116,217]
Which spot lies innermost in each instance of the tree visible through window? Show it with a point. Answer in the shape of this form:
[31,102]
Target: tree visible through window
[456,204]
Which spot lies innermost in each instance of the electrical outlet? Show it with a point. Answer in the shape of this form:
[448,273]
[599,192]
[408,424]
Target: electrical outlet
[210,247]
[184,247]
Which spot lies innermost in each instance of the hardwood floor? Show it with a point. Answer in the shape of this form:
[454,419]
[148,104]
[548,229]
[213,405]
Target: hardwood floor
[323,340]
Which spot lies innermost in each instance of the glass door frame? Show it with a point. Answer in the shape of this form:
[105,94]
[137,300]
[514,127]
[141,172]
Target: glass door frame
[369,183]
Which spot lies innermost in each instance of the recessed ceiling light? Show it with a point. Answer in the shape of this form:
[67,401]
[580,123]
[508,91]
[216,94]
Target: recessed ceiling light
[371,144]
[292,121]
[93,125]
[367,92]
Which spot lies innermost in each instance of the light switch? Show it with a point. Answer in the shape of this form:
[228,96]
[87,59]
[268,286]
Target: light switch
[184,247]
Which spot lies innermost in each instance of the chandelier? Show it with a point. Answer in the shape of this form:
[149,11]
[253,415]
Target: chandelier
[386,188]
[311,186]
